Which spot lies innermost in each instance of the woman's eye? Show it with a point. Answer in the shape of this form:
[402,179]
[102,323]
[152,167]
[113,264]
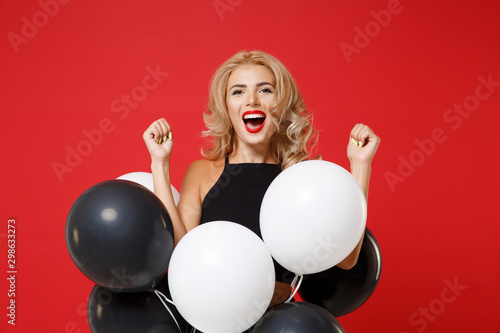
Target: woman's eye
[237,92]
[266,90]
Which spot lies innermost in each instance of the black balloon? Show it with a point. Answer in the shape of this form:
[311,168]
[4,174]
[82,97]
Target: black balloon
[140,312]
[120,236]
[343,291]
[298,317]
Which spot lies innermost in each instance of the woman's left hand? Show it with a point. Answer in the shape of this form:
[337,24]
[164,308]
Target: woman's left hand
[363,144]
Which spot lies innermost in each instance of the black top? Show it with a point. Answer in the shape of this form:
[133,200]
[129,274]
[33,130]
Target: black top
[237,196]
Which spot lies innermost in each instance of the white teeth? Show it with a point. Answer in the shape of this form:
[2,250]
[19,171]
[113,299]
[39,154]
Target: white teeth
[253,116]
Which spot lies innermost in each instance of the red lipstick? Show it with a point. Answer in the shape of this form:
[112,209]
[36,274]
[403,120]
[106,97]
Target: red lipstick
[254,120]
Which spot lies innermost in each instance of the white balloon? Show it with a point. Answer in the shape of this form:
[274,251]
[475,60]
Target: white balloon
[312,216]
[221,277]
[142,178]
[146,179]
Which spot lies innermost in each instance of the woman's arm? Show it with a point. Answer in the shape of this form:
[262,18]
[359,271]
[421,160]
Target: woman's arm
[162,187]
[361,149]
[158,139]
[189,206]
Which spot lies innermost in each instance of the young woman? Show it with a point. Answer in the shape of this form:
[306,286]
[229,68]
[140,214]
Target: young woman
[259,126]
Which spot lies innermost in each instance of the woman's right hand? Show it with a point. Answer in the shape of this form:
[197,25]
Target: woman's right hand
[158,139]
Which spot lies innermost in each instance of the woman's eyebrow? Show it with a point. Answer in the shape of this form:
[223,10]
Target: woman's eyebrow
[264,83]
[239,85]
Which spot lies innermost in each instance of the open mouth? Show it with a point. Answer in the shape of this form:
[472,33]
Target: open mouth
[254,120]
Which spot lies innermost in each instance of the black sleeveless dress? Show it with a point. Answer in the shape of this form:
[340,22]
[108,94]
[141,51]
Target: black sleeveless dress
[237,196]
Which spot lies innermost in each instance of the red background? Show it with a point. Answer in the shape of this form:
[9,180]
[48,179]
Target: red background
[437,222]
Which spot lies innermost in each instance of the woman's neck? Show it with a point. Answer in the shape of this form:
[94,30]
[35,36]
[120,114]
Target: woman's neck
[252,154]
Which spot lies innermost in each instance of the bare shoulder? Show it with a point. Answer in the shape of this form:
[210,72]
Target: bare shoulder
[204,173]
[202,167]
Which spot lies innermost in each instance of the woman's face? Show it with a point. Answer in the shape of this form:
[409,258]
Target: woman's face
[250,94]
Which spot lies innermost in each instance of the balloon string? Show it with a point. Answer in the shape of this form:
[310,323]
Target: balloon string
[157,292]
[161,297]
[294,291]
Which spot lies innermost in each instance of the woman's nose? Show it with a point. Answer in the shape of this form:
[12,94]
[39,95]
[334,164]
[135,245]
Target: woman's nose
[253,99]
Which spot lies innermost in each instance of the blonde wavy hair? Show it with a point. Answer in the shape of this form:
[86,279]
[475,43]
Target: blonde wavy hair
[295,135]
